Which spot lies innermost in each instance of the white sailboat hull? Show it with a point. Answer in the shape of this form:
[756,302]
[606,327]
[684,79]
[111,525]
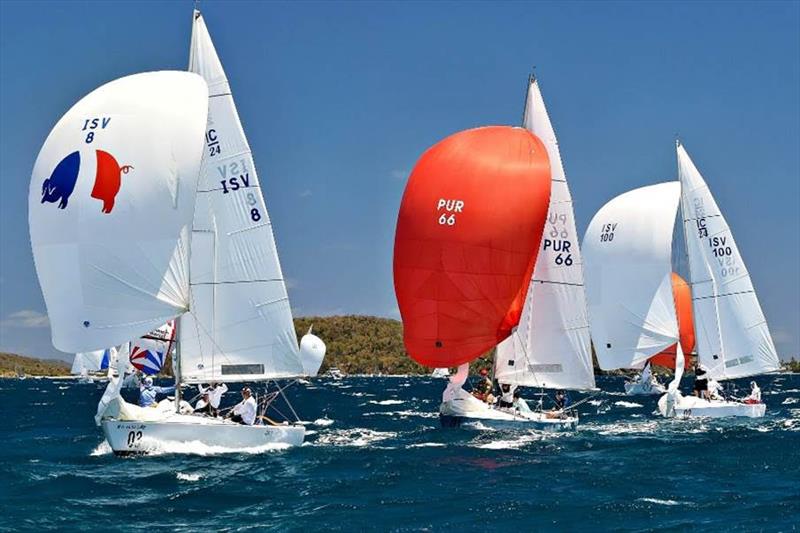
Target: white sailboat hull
[466,410]
[141,437]
[635,388]
[694,407]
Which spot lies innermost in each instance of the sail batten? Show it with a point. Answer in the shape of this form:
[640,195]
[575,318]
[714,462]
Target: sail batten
[240,326]
[551,346]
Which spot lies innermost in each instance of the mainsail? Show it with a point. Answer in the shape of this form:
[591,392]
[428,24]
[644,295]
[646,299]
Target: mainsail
[93,361]
[468,231]
[240,326]
[551,346]
[732,336]
[110,207]
[627,251]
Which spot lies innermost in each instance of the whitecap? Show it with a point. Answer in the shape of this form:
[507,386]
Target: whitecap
[428,445]
[102,449]
[386,402]
[662,502]
[354,437]
[628,404]
[323,422]
[188,477]
[789,401]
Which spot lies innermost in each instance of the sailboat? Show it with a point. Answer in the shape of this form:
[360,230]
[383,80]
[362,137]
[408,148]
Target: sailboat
[627,249]
[551,346]
[439,373]
[86,364]
[182,232]
[645,383]
[468,235]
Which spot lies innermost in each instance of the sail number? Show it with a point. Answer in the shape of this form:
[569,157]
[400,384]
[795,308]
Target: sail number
[212,142]
[232,182]
[561,247]
[133,438]
[451,208]
[91,124]
[607,232]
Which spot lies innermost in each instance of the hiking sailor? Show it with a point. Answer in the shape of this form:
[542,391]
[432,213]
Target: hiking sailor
[701,383]
[245,411]
[506,396]
[211,396]
[755,394]
[148,392]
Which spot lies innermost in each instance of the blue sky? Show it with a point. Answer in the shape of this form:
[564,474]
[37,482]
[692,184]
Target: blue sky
[340,99]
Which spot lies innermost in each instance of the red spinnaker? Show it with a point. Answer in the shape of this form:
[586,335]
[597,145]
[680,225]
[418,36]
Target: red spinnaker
[682,294]
[468,233]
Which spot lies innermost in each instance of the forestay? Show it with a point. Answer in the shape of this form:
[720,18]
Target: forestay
[110,207]
[733,339]
[240,326]
[627,251]
[551,345]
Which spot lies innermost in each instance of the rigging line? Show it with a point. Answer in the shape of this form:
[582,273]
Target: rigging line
[721,295]
[220,94]
[544,281]
[255,186]
[236,282]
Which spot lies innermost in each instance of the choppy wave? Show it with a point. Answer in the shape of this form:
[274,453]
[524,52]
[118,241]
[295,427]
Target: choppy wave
[627,404]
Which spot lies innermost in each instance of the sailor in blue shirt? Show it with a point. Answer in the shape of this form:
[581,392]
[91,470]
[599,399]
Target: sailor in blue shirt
[148,392]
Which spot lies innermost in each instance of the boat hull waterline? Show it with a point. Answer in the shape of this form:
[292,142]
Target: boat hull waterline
[693,407]
[139,437]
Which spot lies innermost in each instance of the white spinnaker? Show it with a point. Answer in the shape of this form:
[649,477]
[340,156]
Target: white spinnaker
[626,250]
[115,265]
[733,339]
[551,346]
[240,326]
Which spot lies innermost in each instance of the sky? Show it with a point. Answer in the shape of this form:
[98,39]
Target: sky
[339,99]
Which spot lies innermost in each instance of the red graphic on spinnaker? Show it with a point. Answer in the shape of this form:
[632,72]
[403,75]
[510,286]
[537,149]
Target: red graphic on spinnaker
[682,294]
[108,179]
[467,237]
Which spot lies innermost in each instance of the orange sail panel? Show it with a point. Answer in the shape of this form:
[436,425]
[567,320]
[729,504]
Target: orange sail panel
[467,236]
[682,294]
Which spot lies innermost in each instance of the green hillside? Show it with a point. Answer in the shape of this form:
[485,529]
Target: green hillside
[10,363]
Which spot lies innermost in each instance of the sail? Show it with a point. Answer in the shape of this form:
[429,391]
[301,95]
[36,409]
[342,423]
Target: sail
[94,361]
[682,295]
[467,235]
[732,335]
[626,252]
[551,346]
[149,353]
[240,326]
[110,207]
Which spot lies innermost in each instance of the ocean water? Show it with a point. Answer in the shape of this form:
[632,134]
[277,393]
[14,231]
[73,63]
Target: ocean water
[377,460]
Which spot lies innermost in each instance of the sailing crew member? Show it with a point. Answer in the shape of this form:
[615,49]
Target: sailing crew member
[212,396]
[483,391]
[701,383]
[244,412]
[561,400]
[506,396]
[148,392]
[755,394]
[520,404]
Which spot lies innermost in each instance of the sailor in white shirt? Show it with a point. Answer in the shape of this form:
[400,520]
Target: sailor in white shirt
[245,411]
[211,397]
[755,394]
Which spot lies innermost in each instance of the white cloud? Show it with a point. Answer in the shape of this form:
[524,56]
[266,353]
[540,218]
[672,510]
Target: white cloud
[26,318]
[399,174]
[305,193]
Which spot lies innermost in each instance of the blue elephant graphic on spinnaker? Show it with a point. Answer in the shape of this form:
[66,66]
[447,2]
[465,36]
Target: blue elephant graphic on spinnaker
[59,186]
